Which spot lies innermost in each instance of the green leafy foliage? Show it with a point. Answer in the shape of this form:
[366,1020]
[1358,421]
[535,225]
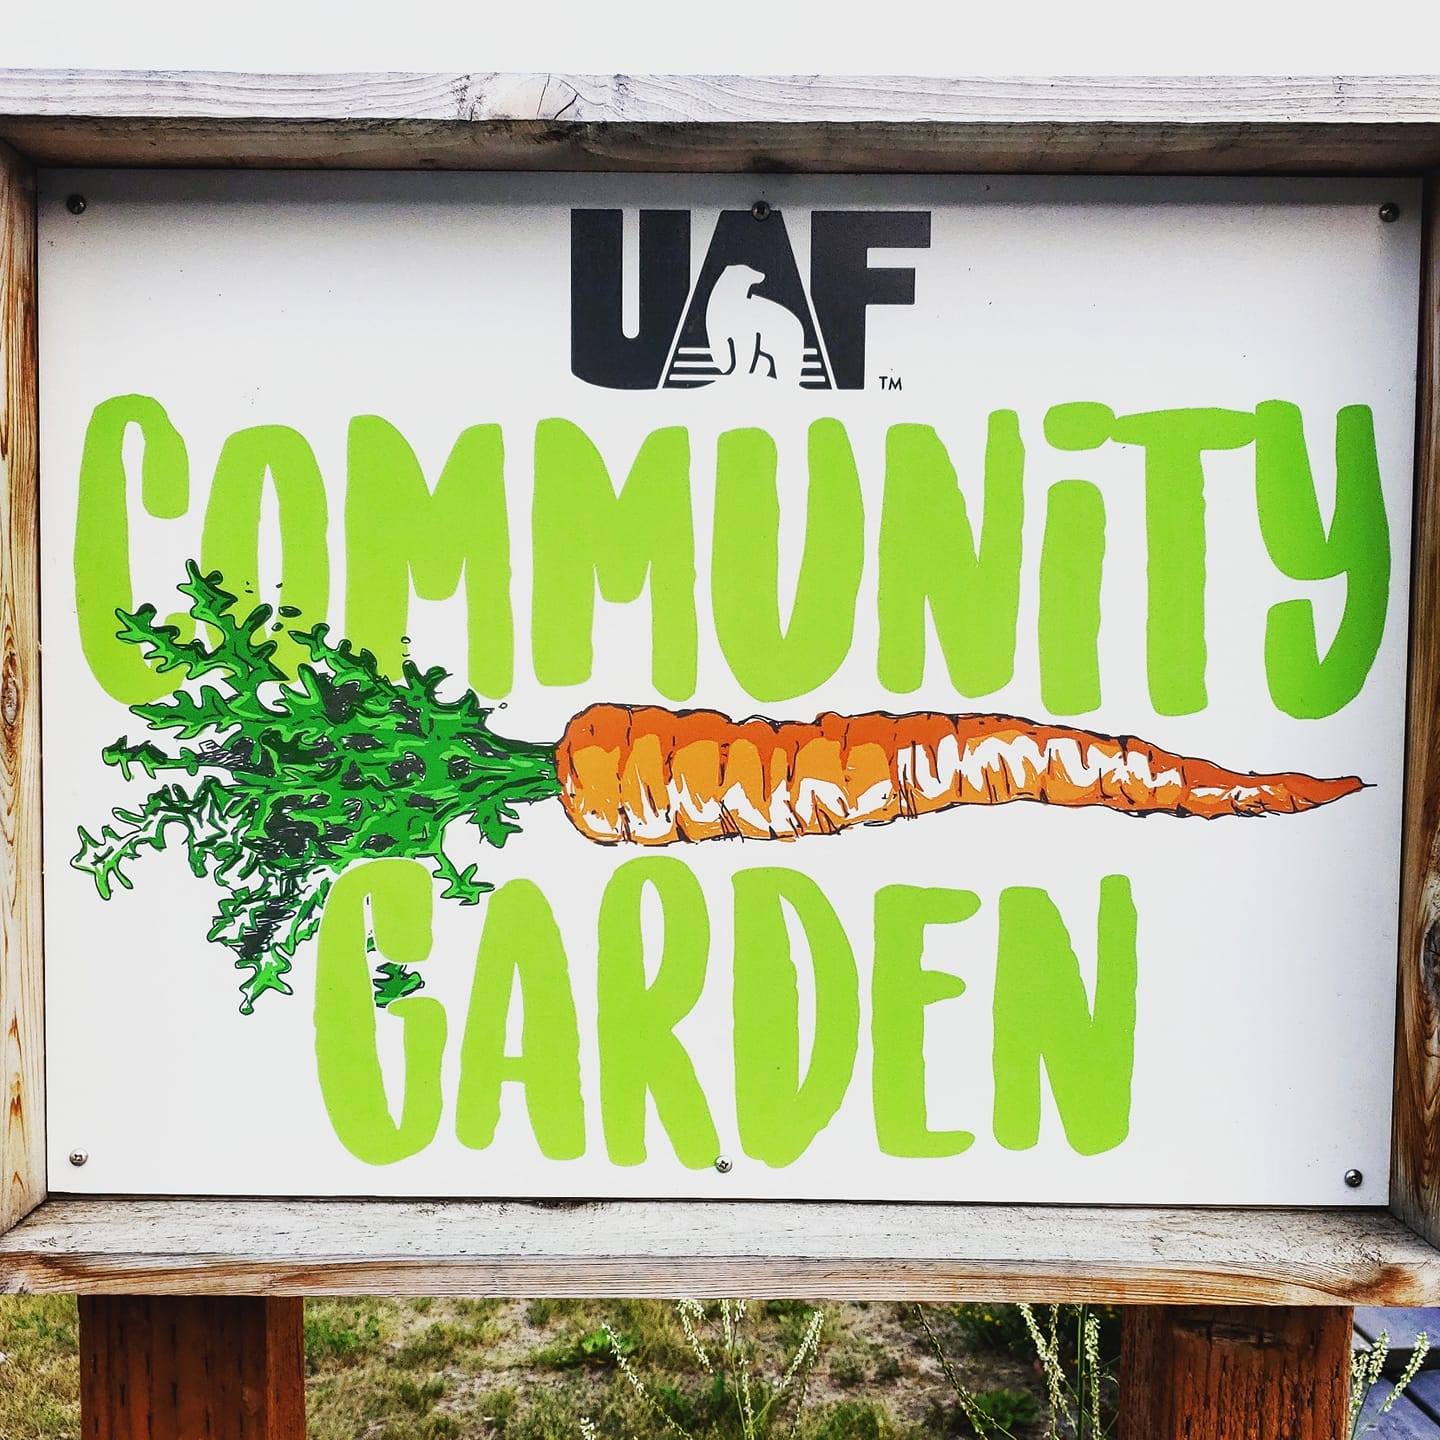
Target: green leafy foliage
[1074,1352]
[592,1347]
[296,778]
[1006,1407]
[600,1345]
[854,1420]
[339,1335]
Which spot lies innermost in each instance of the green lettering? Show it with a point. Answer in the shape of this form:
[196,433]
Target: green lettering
[1072,558]
[521,943]
[928,558]
[1078,425]
[1357,547]
[230,542]
[639,1054]
[1041,1014]
[102,538]
[779,1113]
[398,531]
[1174,442]
[585,537]
[351,1083]
[772,663]
[900,990]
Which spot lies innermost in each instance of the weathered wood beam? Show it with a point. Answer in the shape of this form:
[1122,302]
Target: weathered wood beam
[1098,1254]
[476,120]
[22,1071]
[1415,1143]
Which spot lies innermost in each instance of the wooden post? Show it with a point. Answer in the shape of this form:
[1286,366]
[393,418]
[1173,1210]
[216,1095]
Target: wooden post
[22,1074]
[1415,1148]
[191,1368]
[1234,1372]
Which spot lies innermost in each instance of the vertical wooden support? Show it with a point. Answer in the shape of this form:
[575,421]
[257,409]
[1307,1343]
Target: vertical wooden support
[1234,1372]
[191,1368]
[1415,1143]
[22,1075]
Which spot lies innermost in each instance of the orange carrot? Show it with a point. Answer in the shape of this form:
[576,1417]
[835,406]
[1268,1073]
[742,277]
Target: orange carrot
[651,776]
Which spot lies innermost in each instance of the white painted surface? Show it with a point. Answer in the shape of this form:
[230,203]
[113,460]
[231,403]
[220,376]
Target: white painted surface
[1266,947]
[747,37]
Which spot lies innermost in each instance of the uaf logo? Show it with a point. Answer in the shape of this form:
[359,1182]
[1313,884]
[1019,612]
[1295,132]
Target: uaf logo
[748,314]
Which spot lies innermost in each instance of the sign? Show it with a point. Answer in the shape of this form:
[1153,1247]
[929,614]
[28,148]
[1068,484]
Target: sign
[871,688]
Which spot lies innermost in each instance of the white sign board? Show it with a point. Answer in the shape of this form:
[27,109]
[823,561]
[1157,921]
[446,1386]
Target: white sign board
[933,650]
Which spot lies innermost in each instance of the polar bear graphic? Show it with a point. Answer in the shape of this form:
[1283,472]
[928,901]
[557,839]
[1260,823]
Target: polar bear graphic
[750,335]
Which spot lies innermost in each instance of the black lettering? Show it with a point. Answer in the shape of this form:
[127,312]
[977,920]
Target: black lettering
[600,351]
[842,282]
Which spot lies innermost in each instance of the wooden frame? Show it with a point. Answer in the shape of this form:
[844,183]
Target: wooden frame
[1105,1255]
[477,121]
[22,1072]
[1247,126]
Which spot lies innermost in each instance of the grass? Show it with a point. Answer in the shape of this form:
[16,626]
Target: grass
[454,1369]
[39,1376]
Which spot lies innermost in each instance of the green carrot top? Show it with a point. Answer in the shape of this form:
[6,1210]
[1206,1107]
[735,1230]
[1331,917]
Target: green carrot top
[301,777]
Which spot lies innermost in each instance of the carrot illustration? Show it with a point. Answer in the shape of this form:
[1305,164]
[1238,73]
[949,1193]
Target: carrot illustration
[282,782]
[650,776]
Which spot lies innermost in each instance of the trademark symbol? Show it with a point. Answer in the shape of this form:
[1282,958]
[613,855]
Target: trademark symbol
[890,382]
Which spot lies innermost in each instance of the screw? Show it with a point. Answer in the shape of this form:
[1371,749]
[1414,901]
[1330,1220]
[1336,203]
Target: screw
[78,1158]
[1354,1179]
[761,209]
[1389,212]
[724,1165]
[76,204]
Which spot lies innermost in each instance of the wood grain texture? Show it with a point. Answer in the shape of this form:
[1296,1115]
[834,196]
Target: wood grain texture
[659,1248]
[186,1368]
[22,1076]
[1335,124]
[1415,1144]
[1219,1373]
[473,96]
